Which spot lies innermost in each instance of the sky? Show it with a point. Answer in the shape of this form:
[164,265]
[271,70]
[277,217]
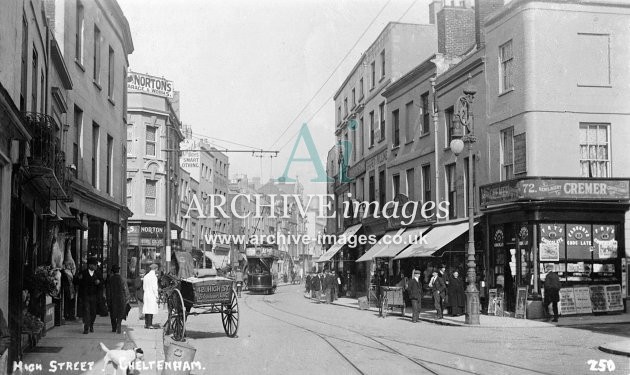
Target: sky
[246,69]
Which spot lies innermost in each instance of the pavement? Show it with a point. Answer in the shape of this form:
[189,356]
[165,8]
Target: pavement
[66,345]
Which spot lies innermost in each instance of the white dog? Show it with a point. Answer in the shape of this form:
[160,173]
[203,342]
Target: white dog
[121,359]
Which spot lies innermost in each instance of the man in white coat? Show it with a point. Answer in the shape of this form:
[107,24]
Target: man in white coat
[150,286]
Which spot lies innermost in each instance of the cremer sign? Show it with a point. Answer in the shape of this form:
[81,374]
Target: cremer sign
[554,189]
[149,84]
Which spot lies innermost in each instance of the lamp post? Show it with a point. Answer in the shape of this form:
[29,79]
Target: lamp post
[464,117]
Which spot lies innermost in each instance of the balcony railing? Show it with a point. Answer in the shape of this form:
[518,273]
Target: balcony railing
[47,161]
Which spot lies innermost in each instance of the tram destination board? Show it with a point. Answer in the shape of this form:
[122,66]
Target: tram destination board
[206,291]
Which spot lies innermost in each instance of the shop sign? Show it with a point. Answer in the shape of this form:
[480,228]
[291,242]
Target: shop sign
[579,241]
[498,238]
[376,160]
[151,235]
[149,84]
[605,243]
[551,242]
[554,189]
[356,169]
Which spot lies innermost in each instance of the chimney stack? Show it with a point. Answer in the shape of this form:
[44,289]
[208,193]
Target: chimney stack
[483,8]
[434,8]
[455,27]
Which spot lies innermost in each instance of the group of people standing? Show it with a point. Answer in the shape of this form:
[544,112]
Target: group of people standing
[91,282]
[447,292]
[323,283]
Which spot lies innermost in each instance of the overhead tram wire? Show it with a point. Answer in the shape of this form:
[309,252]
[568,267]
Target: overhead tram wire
[203,136]
[331,74]
[330,97]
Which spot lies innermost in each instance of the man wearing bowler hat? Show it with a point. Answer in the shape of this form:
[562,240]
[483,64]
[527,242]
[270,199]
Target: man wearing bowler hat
[117,298]
[90,283]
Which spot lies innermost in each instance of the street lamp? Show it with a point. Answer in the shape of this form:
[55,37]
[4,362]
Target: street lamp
[465,117]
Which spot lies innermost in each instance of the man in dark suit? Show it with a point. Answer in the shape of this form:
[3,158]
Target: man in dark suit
[438,287]
[90,283]
[415,295]
[552,292]
[317,287]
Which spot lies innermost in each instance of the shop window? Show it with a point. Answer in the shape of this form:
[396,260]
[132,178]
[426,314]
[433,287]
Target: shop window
[594,150]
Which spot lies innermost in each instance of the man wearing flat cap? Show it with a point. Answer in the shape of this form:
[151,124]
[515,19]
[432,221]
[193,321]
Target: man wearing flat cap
[415,294]
[90,284]
[117,298]
[150,286]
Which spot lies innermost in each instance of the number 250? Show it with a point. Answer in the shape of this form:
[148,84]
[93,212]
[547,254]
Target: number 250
[601,365]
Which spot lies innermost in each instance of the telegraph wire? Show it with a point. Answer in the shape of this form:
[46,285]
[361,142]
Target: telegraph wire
[330,97]
[331,74]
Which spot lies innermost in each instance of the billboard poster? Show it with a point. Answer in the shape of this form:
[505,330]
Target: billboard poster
[137,82]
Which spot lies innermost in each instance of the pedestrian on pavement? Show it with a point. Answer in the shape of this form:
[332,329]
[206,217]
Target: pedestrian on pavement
[552,292]
[307,285]
[239,281]
[438,288]
[150,297]
[117,298]
[456,296]
[332,286]
[139,291]
[317,287]
[325,286]
[90,284]
[415,295]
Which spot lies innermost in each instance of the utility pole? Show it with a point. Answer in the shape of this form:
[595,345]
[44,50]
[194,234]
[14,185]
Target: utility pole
[167,243]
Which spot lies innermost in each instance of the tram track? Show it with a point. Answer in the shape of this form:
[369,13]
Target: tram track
[421,362]
[327,339]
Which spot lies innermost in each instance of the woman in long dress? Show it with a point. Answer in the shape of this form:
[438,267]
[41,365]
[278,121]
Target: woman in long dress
[456,296]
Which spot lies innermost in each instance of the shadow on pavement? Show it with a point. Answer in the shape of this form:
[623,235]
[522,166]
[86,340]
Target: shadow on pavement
[616,329]
[203,335]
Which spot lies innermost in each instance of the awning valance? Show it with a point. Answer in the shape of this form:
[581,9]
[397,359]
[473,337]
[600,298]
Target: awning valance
[388,246]
[436,238]
[341,241]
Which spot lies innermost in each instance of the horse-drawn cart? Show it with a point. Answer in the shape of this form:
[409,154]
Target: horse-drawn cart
[189,295]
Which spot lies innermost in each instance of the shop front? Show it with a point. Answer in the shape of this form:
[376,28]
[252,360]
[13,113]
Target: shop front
[341,256]
[576,226]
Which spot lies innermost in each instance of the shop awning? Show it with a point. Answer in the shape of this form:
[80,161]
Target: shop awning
[386,248]
[218,261]
[341,241]
[437,238]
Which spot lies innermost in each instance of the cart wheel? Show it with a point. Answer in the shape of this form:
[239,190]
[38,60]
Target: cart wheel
[230,316]
[384,307]
[176,323]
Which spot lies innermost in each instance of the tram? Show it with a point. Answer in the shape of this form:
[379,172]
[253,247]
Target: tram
[262,264]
